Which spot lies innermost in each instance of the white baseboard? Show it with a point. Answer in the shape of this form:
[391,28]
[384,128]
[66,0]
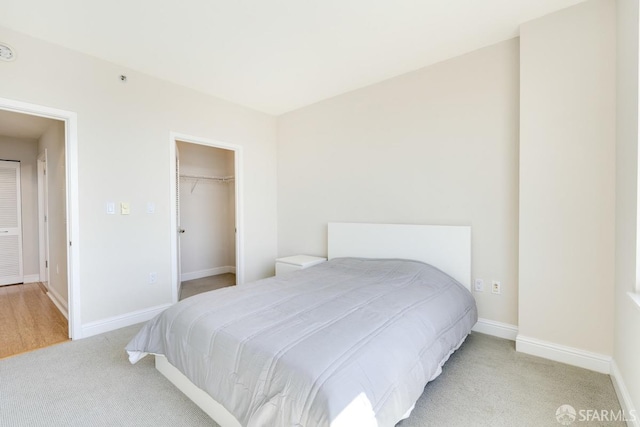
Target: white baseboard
[563,354]
[31,278]
[633,418]
[117,322]
[59,302]
[206,273]
[496,329]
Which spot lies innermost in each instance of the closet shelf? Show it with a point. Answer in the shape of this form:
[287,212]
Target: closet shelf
[198,178]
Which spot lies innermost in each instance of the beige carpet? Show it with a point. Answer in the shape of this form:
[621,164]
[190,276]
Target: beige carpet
[190,288]
[486,383]
[90,383]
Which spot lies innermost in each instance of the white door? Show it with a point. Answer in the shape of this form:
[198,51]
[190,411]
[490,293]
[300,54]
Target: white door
[10,224]
[179,230]
[43,218]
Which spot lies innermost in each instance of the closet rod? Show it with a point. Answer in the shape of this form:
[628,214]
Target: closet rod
[213,178]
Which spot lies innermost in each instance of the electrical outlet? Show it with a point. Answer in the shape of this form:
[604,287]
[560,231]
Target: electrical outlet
[479,285]
[153,278]
[496,288]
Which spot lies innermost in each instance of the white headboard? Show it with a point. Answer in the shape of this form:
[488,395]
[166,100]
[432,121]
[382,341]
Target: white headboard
[443,246]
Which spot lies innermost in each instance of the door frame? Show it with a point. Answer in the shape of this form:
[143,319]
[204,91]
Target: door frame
[43,212]
[174,137]
[70,120]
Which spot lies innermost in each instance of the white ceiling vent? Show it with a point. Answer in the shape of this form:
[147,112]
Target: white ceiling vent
[6,52]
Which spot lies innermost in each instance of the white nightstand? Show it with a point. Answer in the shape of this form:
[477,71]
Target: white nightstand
[296,262]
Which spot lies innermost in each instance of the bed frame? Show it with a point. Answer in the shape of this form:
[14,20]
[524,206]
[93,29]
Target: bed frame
[445,247]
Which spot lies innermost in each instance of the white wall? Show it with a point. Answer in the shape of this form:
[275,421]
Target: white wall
[567,177]
[435,146]
[627,315]
[206,210]
[26,151]
[123,155]
[53,141]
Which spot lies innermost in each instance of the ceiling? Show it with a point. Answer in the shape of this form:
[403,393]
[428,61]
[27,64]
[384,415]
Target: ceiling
[18,125]
[274,55]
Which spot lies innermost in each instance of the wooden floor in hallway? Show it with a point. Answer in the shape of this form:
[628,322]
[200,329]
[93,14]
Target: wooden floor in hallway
[29,320]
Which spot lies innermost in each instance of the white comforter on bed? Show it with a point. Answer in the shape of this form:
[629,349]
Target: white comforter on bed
[350,342]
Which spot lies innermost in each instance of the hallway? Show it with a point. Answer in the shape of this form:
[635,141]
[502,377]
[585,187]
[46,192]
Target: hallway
[29,320]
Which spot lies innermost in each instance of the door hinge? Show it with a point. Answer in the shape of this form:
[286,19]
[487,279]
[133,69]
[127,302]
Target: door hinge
[45,218]
[46,264]
[69,242]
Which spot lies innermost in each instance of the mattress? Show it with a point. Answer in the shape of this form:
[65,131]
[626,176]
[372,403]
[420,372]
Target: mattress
[348,342]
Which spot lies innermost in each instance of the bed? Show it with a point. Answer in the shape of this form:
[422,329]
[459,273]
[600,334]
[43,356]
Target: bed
[352,341]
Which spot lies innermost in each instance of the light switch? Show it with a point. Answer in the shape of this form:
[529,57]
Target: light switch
[151,207]
[111,208]
[124,208]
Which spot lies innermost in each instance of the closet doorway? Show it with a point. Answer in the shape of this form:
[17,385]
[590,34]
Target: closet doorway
[206,183]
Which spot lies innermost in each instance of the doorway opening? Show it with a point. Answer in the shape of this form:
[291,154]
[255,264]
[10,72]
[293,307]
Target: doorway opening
[44,140]
[206,220]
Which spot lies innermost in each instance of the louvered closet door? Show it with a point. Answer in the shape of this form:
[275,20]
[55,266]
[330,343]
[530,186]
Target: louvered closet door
[10,224]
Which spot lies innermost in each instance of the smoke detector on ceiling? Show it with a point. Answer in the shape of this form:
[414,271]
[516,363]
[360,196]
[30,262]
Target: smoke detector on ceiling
[6,52]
